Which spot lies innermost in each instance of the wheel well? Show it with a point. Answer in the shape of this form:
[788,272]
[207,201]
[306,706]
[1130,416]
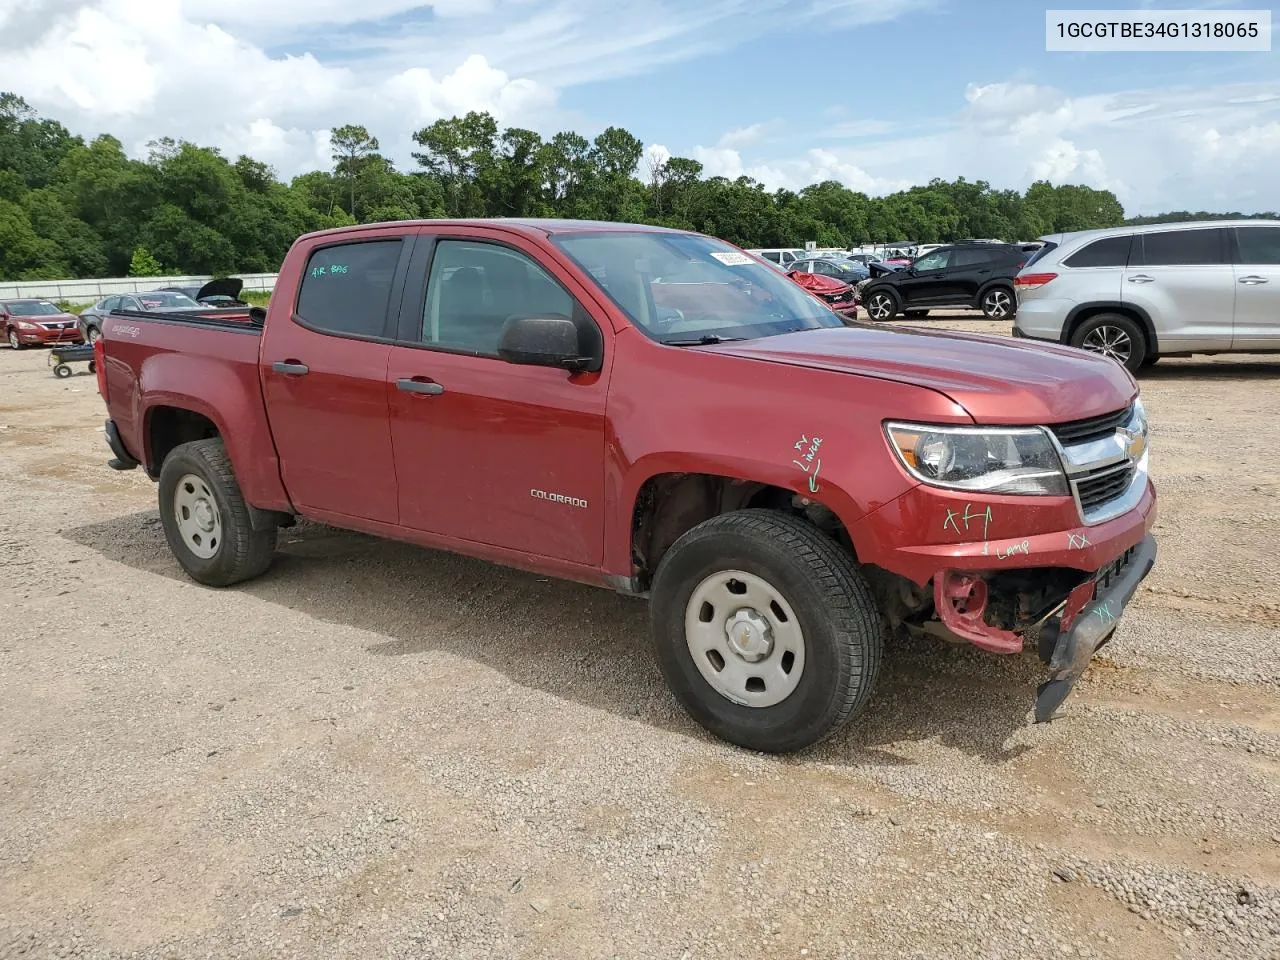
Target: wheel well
[169,427]
[1137,316]
[670,504]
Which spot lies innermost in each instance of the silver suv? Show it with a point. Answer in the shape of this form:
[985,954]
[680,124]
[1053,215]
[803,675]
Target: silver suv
[1137,294]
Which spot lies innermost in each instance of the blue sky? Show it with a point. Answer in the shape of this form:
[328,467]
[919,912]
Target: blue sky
[875,94]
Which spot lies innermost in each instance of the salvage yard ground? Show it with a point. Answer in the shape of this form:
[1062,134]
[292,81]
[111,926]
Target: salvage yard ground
[381,751]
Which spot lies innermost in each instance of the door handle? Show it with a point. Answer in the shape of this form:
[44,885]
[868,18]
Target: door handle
[1252,280]
[1142,278]
[429,387]
[291,367]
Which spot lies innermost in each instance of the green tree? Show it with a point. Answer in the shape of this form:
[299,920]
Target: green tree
[143,264]
[353,149]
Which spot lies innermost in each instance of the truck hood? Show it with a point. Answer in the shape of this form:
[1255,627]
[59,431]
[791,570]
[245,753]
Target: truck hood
[997,380]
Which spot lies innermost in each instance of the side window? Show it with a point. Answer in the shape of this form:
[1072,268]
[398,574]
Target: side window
[125,303]
[773,255]
[1183,248]
[346,289]
[824,268]
[970,258]
[1259,244]
[938,260]
[1108,252]
[474,288]
[111,303]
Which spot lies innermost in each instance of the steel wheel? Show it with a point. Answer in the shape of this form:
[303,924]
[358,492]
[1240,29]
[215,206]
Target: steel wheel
[997,304]
[744,638]
[196,510]
[1110,341]
[881,307]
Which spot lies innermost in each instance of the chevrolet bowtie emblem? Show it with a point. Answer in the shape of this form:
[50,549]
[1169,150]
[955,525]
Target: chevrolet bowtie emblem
[1135,444]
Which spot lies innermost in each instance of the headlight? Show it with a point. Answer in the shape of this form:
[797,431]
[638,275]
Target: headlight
[24,325]
[982,459]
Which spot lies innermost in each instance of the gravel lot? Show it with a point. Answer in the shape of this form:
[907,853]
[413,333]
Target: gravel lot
[381,751]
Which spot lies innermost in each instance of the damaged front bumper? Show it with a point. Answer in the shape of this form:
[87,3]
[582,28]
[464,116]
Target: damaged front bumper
[1087,621]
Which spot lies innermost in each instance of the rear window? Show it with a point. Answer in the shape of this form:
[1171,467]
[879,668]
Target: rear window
[346,288]
[1107,252]
[1183,248]
[1259,244]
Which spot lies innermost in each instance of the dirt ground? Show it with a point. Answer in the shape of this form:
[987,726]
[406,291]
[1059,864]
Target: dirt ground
[382,751]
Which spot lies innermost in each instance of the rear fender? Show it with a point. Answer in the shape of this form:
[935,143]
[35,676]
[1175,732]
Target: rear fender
[233,404]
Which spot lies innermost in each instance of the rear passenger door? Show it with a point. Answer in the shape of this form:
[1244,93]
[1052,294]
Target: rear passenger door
[1184,281]
[487,451]
[1257,273]
[324,370]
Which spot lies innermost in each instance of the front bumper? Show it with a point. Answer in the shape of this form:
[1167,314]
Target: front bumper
[1087,622]
[48,338]
[991,571]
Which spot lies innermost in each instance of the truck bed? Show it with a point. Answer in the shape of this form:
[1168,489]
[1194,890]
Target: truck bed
[206,362]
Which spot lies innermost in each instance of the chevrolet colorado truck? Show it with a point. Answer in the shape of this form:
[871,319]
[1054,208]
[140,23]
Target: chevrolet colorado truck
[655,412]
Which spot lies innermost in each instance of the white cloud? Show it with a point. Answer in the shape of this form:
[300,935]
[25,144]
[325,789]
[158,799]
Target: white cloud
[743,135]
[1210,148]
[170,75]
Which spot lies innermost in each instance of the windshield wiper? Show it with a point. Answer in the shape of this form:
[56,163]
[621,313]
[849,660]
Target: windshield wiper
[704,341]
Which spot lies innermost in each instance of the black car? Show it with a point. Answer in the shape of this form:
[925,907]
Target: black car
[974,275]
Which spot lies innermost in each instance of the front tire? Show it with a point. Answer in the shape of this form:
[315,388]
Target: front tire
[1113,335]
[765,630]
[882,306]
[206,520]
[14,342]
[998,303]
[93,336]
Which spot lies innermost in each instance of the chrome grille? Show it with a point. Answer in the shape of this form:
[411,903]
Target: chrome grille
[1097,487]
[1106,479]
[1094,428]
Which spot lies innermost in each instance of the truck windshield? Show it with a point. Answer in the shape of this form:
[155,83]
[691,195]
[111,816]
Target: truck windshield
[683,288]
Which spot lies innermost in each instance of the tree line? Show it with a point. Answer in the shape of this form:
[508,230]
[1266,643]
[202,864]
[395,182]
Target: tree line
[71,208]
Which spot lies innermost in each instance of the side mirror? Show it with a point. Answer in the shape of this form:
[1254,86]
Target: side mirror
[542,342]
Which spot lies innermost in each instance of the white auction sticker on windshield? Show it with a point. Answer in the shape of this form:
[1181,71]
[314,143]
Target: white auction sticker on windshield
[733,259]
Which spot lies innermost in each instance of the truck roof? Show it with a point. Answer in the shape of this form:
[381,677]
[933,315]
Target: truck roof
[526,225]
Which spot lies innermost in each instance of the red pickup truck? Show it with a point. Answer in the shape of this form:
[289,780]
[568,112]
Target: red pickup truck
[655,412]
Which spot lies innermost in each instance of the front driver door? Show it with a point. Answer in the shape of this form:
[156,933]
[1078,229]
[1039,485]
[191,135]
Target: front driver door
[925,280]
[487,451]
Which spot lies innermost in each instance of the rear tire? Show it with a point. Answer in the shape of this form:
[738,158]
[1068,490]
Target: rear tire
[999,303]
[206,520]
[1113,335]
[790,662]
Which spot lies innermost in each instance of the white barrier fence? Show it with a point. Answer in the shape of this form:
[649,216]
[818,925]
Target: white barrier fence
[83,291]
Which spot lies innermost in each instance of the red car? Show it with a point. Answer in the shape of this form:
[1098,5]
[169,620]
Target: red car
[654,412]
[26,323]
[841,297]
[838,295]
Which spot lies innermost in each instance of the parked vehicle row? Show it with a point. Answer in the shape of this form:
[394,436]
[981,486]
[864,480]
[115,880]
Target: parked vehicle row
[1136,294]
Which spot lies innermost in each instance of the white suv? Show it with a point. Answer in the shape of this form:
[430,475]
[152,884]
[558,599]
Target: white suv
[1140,293]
